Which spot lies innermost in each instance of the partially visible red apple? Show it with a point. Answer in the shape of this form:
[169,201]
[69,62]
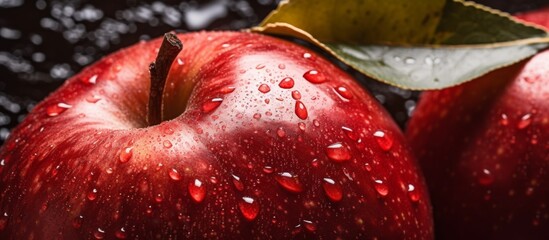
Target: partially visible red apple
[261,139]
[484,149]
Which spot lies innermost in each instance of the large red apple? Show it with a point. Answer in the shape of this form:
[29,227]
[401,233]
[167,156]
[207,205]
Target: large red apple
[484,149]
[260,139]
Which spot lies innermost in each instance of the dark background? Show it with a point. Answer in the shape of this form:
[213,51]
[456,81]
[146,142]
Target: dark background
[42,43]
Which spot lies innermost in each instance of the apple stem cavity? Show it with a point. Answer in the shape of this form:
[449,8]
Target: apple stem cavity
[159,69]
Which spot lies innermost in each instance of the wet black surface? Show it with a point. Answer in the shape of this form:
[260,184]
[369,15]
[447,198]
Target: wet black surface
[42,43]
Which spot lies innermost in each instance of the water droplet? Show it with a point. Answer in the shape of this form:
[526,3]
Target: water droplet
[56,109]
[126,154]
[281,66]
[307,55]
[264,88]
[350,133]
[158,198]
[92,195]
[197,190]
[381,188]
[289,182]
[383,140]
[413,194]
[227,89]
[121,233]
[315,162]
[301,110]
[316,123]
[504,121]
[485,177]
[338,152]
[167,144]
[91,80]
[180,61]
[99,233]
[309,225]
[524,121]
[257,115]
[344,92]
[211,105]
[249,208]
[77,222]
[332,189]
[174,175]
[268,169]
[409,60]
[280,132]
[301,126]
[314,76]
[286,83]
[296,95]
[93,98]
[260,66]
[237,183]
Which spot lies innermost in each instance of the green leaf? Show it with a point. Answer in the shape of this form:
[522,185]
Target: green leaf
[427,44]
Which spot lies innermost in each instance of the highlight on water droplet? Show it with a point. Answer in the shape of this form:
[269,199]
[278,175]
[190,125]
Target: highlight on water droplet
[197,190]
[268,169]
[237,183]
[91,80]
[280,132]
[301,110]
[314,76]
[338,152]
[413,194]
[167,144]
[174,174]
[349,132]
[211,105]
[307,55]
[227,89]
[524,121]
[249,208]
[93,98]
[121,233]
[383,140]
[56,109]
[126,154]
[264,88]
[296,95]
[286,83]
[485,177]
[504,121]
[180,61]
[99,233]
[289,182]
[332,189]
[344,93]
[381,187]
[309,225]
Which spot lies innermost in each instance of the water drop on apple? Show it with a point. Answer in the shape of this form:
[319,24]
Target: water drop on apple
[338,152]
[289,182]
[332,189]
[286,83]
[197,190]
[314,76]
[249,208]
[383,140]
[301,110]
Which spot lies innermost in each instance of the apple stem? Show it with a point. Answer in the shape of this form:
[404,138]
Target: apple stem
[170,48]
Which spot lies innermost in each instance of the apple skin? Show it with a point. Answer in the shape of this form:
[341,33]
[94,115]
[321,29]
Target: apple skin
[252,165]
[484,149]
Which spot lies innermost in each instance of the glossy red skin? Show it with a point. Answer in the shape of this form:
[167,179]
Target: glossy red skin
[85,142]
[488,176]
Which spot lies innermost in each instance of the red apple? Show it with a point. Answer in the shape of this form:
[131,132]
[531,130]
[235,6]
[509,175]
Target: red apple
[260,138]
[484,149]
